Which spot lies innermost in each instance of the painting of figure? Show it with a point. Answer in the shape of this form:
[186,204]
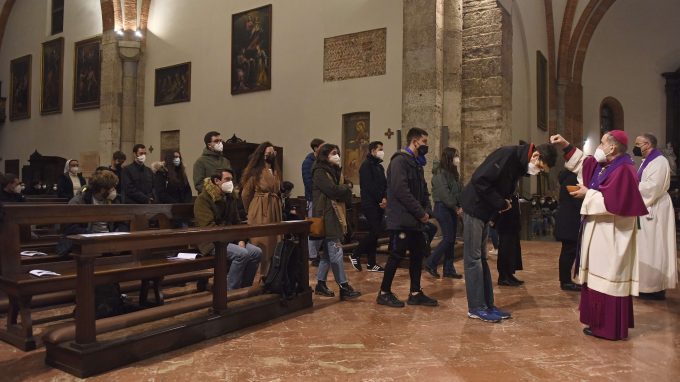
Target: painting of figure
[173,84]
[52,76]
[251,33]
[20,88]
[356,135]
[87,74]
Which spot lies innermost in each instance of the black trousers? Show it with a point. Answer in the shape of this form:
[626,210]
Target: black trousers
[401,241]
[509,254]
[368,245]
[567,258]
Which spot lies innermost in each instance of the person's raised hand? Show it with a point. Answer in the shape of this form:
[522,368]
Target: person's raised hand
[559,140]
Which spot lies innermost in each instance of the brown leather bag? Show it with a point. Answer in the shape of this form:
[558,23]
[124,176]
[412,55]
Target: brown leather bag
[317,229]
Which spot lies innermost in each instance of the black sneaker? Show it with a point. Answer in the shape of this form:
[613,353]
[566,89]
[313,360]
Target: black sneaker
[389,299]
[421,299]
[355,262]
[453,276]
[375,268]
[431,271]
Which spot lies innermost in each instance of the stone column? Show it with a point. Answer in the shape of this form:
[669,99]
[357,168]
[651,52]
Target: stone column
[110,98]
[130,53]
[453,60]
[486,81]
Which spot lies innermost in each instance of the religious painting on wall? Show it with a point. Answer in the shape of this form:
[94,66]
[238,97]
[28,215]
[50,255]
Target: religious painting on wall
[169,142]
[20,88]
[173,84]
[356,135]
[87,74]
[251,35]
[541,91]
[52,76]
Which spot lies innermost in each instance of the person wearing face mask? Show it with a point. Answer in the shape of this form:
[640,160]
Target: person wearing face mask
[408,214]
[330,198]
[608,267]
[71,181]
[260,193]
[138,179]
[11,189]
[656,242]
[116,167]
[307,164]
[215,206]
[170,180]
[489,192]
[210,160]
[373,203]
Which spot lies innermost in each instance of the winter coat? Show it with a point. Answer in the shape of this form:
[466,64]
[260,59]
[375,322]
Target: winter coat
[137,184]
[327,187]
[408,199]
[307,165]
[568,215]
[206,165]
[213,209]
[11,197]
[495,180]
[166,191]
[446,188]
[373,183]
[65,185]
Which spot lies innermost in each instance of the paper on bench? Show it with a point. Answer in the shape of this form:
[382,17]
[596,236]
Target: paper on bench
[33,253]
[187,256]
[41,273]
[104,234]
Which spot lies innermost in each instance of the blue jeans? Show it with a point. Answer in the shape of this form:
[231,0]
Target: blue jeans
[244,263]
[493,235]
[314,245]
[477,274]
[448,222]
[332,258]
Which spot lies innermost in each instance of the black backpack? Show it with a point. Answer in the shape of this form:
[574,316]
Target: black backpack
[285,271]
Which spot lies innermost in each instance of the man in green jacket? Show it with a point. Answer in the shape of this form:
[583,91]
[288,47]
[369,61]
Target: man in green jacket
[217,206]
[211,160]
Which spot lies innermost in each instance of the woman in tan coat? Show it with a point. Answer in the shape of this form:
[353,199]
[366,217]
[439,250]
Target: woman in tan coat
[260,192]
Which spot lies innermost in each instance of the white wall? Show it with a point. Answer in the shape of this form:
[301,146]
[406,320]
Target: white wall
[635,42]
[300,106]
[65,134]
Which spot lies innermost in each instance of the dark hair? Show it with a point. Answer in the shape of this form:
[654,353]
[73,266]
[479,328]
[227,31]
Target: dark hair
[102,180]
[414,133]
[218,174]
[209,136]
[7,179]
[374,145]
[316,142]
[176,174]
[287,186]
[547,154]
[325,151]
[119,155]
[651,138]
[101,168]
[256,164]
[446,161]
[137,147]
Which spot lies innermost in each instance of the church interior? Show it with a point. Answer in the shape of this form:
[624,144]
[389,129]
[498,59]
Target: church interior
[81,80]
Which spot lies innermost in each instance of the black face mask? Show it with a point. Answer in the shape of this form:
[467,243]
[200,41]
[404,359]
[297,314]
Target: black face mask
[422,150]
[637,151]
[271,159]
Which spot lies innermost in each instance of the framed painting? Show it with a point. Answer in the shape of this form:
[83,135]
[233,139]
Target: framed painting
[20,88]
[541,91]
[356,135]
[251,35]
[173,84]
[52,76]
[87,74]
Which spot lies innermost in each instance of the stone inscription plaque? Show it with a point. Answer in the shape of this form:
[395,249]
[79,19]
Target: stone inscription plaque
[355,55]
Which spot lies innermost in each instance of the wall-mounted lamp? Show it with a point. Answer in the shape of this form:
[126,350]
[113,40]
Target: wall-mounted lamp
[120,32]
[138,33]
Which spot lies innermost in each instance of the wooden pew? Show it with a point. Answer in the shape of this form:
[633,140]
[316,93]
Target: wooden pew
[13,268]
[76,349]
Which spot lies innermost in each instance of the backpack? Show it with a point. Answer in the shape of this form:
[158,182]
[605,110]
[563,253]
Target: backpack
[285,272]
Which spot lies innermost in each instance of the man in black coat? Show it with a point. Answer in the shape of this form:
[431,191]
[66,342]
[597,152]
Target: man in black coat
[408,212]
[567,229]
[489,192]
[138,179]
[373,203]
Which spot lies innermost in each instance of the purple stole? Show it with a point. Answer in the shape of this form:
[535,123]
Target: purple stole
[655,153]
[601,173]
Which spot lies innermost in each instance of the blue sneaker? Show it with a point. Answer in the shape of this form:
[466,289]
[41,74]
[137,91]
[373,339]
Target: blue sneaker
[500,313]
[484,315]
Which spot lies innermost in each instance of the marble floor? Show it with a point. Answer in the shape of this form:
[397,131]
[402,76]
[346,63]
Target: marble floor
[361,341]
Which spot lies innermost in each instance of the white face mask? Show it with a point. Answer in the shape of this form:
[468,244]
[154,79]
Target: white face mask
[335,159]
[380,154]
[533,169]
[227,187]
[141,158]
[17,189]
[176,161]
[112,195]
[218,147]
[74,170]
[600,156]
[456,161]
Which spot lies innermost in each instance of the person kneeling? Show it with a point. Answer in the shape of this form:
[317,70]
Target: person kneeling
[216,206]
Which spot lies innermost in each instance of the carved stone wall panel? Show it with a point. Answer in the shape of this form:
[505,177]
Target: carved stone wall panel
[355,55]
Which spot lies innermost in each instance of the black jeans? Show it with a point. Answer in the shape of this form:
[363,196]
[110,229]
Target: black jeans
[509,254]
[401,241]
[369,243]
[567,257]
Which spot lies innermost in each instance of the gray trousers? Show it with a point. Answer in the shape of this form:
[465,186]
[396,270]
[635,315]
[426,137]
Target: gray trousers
[477,274]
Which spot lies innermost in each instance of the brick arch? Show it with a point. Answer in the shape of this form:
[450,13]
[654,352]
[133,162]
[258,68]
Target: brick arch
[594,21]
[617,112]
[4,16]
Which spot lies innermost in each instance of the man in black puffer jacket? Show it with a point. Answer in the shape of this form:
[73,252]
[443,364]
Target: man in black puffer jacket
[408,212]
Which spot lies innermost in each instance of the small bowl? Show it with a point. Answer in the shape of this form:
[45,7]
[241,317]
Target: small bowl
[573,188]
